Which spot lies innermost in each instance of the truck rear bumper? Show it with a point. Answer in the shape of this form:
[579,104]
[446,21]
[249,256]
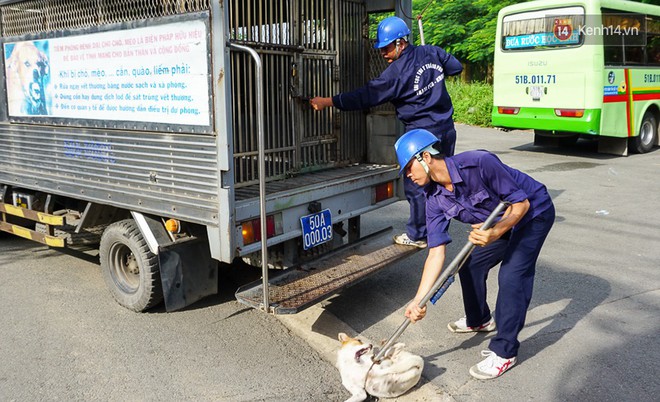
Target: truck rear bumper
[346,191]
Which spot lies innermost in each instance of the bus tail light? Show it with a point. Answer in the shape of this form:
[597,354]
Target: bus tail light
[508,110]
[569,112]
[383,191]
[251,230]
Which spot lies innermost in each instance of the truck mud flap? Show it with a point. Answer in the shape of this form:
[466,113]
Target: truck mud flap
[187,273]
[298,288]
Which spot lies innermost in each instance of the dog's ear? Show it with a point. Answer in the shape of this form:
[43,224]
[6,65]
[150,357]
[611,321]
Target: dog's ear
[342,337]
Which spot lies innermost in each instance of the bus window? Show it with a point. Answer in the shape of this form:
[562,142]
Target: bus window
[653,51]
[653,41]
[553,28]
[635,40]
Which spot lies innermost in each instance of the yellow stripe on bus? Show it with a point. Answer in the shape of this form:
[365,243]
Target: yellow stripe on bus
[646,89]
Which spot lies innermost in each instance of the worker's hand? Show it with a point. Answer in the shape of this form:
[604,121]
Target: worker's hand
[320,103]
[414,312]
[482,238]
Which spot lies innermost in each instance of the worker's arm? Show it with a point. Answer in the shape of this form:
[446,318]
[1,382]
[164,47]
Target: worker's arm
[432,270]
[320,103]
[511,217]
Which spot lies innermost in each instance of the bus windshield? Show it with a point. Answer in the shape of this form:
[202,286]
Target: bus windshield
[558,27]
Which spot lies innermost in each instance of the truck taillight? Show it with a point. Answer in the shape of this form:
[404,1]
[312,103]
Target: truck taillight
[251,230]
[383,191]
[508,110]
[569,112]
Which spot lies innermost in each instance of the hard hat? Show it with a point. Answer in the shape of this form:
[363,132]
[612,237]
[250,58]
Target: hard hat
[389,30]
[412,143]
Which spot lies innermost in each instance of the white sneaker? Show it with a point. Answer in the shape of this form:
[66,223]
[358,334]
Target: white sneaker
[460,326]
[404,240]
[492,367]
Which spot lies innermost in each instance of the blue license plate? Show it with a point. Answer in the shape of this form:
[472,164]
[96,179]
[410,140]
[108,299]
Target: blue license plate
[316,228]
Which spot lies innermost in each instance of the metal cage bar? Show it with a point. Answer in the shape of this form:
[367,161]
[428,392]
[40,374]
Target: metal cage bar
[36,16]
[300,43]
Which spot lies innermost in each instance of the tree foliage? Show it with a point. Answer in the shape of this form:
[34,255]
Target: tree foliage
[465,28]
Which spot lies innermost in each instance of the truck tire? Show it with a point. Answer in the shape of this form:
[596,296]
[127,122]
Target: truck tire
[648,135]
[130,269]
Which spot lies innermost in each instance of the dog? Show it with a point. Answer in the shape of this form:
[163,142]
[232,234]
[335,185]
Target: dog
[393,376]
[27,70]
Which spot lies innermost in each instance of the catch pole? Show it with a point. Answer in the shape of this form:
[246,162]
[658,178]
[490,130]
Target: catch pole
[447,273]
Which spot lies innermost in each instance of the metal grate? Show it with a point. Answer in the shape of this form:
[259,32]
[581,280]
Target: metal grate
[297,289]
[302,44]
[377,64]
[36,16]
[353,26]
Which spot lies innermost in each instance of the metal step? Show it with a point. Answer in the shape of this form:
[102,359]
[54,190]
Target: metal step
[295,289]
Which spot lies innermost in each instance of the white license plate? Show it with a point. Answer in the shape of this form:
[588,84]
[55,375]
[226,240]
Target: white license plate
[536,92]
[316,228]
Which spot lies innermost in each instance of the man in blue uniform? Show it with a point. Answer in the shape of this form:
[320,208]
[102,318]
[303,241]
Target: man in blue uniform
[467,187]
[414,83]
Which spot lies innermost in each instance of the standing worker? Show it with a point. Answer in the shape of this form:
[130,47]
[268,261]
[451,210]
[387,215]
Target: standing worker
[414,83]
[467,187]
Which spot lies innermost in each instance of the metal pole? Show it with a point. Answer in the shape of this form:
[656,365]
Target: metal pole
[421,30]
[450,270]
[262,166]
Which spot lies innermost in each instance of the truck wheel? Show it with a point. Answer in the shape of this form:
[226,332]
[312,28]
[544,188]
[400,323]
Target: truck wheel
[130,269]
[648,134]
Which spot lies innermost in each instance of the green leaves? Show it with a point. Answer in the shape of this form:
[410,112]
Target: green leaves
[464,28]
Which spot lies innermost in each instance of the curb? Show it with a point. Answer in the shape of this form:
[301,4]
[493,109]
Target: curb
[319,328]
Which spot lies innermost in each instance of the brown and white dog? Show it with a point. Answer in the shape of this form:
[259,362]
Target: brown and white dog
[27,69]
[396,373]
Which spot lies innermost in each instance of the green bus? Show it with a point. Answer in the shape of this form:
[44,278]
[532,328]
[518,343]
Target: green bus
[566,68]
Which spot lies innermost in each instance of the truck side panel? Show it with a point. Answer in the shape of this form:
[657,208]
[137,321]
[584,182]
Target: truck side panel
[163,174]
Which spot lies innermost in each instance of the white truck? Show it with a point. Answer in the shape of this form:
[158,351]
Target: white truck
[174,134]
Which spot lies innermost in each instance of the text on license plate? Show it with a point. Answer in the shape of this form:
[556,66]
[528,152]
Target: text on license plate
[536,92]
[316,228]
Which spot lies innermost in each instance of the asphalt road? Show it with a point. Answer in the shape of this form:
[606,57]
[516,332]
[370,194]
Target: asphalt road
[592,327]
[591,332]
[62,337]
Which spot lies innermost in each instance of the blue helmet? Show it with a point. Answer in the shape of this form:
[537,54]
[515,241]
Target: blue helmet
[412,143]
[389,30]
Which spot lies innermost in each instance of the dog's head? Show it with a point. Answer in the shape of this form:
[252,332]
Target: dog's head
[27,70]
[353,349]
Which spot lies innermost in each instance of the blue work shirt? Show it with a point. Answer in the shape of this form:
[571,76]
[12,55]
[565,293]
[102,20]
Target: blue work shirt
[415,84]
[480,182]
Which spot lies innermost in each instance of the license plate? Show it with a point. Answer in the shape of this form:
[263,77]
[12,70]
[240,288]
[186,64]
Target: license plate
[536,92]
[316,228]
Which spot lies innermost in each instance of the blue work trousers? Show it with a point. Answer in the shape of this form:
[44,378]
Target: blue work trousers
[416,227]
[518,256]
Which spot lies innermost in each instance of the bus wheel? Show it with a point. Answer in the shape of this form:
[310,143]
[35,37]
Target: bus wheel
[130,269]
[648,135]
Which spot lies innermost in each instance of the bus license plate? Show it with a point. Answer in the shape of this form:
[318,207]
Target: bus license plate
[316,228]
[536,92]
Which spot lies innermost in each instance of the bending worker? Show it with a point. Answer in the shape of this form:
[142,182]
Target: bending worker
[467,187]
[414,83]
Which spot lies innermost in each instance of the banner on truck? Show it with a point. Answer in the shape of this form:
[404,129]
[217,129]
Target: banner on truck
[156,74]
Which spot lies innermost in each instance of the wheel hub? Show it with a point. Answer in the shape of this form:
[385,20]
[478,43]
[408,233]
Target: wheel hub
[646,132]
